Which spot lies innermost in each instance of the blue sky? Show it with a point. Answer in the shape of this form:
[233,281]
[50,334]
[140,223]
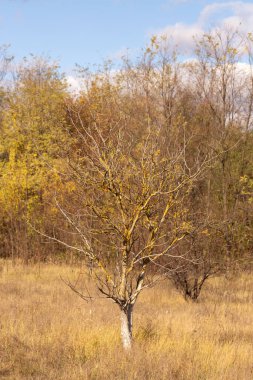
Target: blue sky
[88,31]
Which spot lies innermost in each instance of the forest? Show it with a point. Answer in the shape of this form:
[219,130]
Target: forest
[136,191]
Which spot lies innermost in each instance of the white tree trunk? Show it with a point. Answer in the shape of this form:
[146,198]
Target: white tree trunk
[126,327]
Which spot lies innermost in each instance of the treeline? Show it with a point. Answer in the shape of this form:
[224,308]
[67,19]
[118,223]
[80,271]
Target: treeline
[149,169]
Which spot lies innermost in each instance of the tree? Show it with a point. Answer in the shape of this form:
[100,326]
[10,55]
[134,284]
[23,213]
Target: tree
[205,259]
[130,185]
[224,85]
[32,135]
[215,103]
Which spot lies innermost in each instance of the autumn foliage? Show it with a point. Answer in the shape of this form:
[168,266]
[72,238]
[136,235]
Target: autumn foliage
[147,173]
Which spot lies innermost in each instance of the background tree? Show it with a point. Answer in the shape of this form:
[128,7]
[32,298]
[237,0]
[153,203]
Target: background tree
[215,103]
[31,138]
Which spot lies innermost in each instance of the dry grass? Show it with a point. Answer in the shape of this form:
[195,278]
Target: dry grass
[47,332]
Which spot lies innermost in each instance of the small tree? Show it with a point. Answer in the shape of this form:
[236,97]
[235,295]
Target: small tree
[205,259]
[129,184]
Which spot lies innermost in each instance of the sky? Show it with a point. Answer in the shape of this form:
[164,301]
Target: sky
[86,32]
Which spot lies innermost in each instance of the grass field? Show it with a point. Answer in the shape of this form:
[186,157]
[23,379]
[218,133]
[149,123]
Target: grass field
[48,332]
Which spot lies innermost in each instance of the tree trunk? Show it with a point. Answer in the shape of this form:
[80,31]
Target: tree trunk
[127,326]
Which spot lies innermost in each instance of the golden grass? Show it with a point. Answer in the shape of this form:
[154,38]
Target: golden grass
[47,332]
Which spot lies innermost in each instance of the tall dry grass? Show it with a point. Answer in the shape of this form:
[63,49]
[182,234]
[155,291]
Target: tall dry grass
[47,332]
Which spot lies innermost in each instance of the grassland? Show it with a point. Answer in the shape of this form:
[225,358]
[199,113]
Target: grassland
[47,332]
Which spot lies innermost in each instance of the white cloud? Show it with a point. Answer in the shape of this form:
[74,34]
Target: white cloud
[182,34]
[241,14]
[225,14]
[74,84]
[233,22]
